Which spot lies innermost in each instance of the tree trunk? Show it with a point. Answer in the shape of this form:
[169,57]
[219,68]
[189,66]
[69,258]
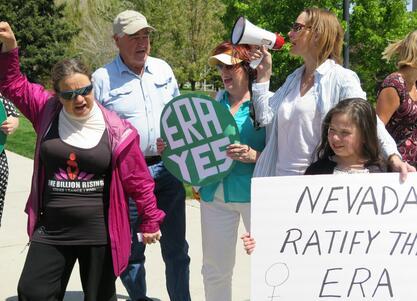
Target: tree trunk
[193,85]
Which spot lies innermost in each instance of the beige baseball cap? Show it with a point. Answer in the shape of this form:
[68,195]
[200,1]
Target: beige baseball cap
[129,22]
[225,58]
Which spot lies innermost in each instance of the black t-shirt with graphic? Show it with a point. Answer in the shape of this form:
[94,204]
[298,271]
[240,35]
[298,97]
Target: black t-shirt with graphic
[75,195]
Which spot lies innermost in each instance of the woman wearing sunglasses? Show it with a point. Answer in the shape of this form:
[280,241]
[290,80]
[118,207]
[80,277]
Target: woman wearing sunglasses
[294,114]
[87,161]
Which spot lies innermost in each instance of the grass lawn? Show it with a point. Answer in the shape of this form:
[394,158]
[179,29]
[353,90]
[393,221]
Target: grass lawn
[23,141]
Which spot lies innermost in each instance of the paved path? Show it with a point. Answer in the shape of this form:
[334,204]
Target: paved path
[13,239]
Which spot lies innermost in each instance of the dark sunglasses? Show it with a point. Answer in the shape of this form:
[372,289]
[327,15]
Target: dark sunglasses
[297,27]
[256,124]
[72,94]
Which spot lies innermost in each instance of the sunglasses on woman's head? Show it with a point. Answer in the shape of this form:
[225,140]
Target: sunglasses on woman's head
[72,94]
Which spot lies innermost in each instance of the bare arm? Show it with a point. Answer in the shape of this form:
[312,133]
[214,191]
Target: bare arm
[387,103]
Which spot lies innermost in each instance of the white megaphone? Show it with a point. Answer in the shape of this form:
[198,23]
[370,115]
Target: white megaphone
[244,32]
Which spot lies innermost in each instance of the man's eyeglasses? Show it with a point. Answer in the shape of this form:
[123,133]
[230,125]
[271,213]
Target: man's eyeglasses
[72,94]
[297,27]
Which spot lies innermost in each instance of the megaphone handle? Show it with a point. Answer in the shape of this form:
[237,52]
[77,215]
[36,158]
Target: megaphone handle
[253,64]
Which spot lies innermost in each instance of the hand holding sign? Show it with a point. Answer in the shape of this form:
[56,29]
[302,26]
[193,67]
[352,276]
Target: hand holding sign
[242,152]
[197,131]
[10,125]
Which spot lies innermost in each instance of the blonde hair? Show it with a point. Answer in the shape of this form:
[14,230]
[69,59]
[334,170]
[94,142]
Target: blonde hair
[330,34]
[405,50]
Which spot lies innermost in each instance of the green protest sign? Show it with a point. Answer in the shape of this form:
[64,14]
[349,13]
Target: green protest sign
[197,129]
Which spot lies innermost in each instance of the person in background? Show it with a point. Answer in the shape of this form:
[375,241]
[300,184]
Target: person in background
[8,127]
[397,97]
[295,112]
[87,161]
[137,86]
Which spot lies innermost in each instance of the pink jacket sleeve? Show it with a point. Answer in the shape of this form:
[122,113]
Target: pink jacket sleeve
[28,97]
[139,185]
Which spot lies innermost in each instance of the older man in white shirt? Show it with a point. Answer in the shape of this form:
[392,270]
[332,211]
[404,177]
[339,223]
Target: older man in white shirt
[137,86]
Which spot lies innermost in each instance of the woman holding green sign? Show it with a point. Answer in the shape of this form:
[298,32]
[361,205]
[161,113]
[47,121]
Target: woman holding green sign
[224,202]
[9,126]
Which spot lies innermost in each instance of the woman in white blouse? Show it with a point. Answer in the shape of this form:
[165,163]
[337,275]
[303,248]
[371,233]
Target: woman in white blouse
[294,114]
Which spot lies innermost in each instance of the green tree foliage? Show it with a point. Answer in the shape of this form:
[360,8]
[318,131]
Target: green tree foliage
[94,44]
[187,30]
[42,33]
[374,24]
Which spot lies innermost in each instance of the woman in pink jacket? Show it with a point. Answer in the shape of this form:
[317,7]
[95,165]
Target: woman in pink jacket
[87,162]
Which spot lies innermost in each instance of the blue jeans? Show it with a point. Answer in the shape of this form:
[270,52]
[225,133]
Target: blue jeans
[170,196]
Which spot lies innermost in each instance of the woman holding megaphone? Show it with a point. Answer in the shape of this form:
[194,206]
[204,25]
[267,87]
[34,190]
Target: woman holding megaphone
[294,114]
[296,111]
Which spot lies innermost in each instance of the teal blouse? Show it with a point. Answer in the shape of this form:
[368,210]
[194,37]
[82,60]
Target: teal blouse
[237,183]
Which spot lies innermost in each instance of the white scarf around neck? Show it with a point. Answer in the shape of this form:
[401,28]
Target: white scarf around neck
[84,132]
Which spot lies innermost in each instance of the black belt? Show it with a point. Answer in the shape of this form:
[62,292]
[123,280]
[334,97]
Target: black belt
[152,160]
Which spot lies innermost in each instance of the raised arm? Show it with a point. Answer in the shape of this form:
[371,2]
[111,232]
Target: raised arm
[28,97]
[264,101]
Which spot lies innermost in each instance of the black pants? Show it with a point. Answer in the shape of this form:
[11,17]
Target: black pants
[48,268]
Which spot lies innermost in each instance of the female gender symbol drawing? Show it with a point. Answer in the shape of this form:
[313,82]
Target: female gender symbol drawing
[276,275]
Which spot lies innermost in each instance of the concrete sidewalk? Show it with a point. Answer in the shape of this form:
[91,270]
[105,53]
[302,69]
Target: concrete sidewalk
[13,239]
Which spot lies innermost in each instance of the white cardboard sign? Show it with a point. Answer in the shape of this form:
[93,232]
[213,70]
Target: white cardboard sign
[334,237]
